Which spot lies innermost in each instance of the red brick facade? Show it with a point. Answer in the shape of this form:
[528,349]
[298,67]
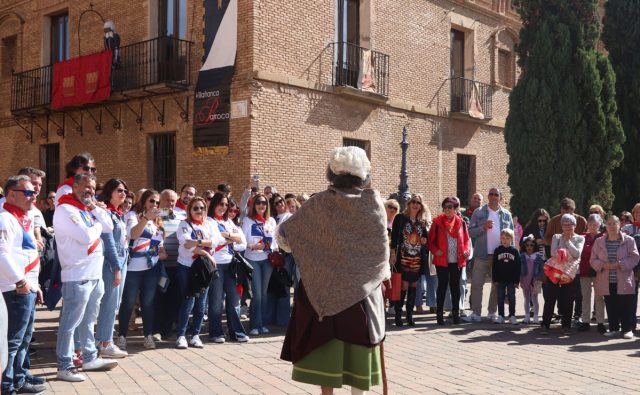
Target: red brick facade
[295,114]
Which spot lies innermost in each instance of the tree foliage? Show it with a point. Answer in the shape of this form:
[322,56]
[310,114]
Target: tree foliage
[621,36]
[562,133]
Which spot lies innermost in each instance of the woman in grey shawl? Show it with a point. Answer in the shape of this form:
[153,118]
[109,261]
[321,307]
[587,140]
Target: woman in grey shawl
[340,243]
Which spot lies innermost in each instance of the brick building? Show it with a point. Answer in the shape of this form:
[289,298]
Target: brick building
[309,75]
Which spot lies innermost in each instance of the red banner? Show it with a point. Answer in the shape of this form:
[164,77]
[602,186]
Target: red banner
[81,80]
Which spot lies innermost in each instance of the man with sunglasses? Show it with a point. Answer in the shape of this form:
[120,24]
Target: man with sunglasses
[19,268]
[485,226]
[79,221]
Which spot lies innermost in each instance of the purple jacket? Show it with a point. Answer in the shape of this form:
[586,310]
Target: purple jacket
[628,257]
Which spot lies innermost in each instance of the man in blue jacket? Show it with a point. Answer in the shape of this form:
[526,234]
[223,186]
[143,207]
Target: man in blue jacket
[485,226]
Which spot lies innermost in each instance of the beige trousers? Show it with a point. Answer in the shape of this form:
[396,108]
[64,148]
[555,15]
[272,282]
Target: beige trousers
[586,287]
[482,272]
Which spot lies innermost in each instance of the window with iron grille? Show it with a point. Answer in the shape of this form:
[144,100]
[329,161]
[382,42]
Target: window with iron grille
[162,149]
[364,144]
[466,177]
[505,68]
[50,164]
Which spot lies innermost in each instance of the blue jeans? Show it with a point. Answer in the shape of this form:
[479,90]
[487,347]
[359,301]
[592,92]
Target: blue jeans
[224,284]
[261,274]
[20,310]
[109,304]
[81,304]
[432,286]
[145,281]
[511,291]
[197,304]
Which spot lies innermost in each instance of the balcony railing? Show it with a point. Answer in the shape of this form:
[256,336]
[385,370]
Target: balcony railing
[465,93]
[164,61]
[360,68]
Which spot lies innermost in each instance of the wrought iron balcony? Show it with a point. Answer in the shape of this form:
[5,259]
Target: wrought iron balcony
[156,66]
[360,68]
[469,96]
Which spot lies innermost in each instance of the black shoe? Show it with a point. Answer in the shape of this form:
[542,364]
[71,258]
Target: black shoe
[35,379]
[440,318]
[584,327]
[29,388]
[456,317]
[544,331]
[602,328]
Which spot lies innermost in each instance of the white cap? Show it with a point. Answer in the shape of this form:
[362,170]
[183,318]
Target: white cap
[350,160]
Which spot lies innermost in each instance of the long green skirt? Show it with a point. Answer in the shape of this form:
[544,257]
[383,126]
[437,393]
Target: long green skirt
[337,363]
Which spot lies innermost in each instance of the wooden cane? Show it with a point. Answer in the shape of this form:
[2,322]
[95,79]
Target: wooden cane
[385,388]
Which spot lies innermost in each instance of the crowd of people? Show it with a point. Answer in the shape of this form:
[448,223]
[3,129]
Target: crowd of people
[111,254]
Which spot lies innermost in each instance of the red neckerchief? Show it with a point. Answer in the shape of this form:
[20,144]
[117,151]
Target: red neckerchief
[197,221]
[470,211]
[452,226]
[181,205]
[219,218]
[260,218]
[20,215]
[72,200]
[115,210]
[68,182]
[636,224]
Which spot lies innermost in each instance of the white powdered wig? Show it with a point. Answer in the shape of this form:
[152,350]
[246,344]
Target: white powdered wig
[350,160]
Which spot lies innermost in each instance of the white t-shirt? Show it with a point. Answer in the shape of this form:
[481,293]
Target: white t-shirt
[256,232]
[224,253]
[493,234]
[148,243]
[208,230]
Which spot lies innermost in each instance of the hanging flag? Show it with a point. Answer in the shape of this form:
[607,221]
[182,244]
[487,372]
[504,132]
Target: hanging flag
[213,89]
[81,80]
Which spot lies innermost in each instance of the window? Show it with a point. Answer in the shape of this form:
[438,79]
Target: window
[364,144]
[457,53]
[466,177]
[505,68]
[9,50]
[59,38]
[173,18]
[348,53]
[163,161]
[349,21]
[50,163]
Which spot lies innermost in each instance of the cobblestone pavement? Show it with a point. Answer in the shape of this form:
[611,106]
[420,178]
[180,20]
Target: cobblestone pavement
[470,358]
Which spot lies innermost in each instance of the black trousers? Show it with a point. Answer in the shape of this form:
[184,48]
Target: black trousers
[619,309]
[564,295]
[167,305]
[448,276]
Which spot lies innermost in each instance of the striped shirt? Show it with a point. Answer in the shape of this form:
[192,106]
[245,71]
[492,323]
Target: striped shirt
[612,255]
[452,249]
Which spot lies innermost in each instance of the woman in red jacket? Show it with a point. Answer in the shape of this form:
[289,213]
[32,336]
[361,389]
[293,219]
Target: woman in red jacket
[449,243]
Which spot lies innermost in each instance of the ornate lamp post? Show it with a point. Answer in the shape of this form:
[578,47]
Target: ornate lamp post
[403,195]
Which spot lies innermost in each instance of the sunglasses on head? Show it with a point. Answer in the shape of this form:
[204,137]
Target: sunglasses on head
[197,208]
[90,169]
[26,192]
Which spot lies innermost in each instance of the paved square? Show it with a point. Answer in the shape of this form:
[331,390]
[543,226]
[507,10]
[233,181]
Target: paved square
[470,358]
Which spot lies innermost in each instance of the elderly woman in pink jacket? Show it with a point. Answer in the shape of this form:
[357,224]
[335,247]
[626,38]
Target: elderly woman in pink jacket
[613,257]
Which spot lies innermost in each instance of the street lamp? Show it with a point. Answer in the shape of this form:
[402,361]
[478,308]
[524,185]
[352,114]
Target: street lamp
[403,195]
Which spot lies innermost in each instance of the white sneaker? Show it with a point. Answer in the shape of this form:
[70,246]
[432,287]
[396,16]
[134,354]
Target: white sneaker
[513,320]
[536,319]
[264,330]
[254,332]
[157,337]
[242,339]
[628,335]
[149,343]
[196,342]
[205,318]
[473,317]
[243,312]
[219,340]
[99,364]
[121,342]
[112,351]
[499,320]
[72,375]
[493,317]
[181,343]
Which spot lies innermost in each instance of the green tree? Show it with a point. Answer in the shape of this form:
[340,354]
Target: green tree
[621,36]
[563,136]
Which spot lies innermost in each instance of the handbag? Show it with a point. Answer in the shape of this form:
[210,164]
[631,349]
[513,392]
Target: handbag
[201,273]
[276,259]
[393,292]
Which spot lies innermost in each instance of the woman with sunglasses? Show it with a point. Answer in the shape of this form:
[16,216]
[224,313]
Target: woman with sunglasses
[588,276]
[280,307]
[258,228]
[450,246]
[537,226]
[225,285]
[146,233]
[233,212]
[113,270]
[81,163]
[197,235]
[408,253]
